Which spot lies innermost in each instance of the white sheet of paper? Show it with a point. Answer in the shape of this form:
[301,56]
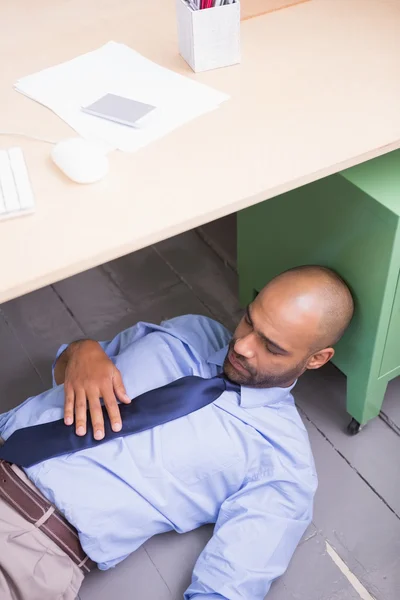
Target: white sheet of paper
[117,69]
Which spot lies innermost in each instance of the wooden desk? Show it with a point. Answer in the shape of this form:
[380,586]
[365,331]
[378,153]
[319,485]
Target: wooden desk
[318,90]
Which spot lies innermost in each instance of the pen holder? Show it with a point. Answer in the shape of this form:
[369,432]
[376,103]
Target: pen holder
[209,38]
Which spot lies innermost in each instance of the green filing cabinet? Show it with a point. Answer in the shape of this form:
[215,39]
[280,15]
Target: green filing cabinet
[348,222]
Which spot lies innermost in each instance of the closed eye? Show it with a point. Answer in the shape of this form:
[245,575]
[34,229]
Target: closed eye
[247,317]
[271,351]
[267,342]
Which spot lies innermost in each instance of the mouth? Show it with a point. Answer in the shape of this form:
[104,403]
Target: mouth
[235,363]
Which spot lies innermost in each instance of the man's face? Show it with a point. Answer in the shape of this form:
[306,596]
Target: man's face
[274,342]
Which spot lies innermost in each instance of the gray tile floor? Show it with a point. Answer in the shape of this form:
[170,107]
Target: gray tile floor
[357,509]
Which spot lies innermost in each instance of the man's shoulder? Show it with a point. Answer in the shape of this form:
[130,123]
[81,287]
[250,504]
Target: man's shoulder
[204,334]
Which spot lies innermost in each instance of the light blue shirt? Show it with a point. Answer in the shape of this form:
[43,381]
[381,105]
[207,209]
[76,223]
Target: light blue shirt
[243,462]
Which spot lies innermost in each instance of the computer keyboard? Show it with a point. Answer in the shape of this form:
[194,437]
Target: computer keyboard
[16,195]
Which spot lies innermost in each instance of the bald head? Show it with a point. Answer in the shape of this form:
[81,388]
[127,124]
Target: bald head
[318,295]
[289,328]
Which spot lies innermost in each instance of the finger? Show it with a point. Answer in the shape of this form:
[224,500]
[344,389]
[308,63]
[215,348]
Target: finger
[111,405]
[69,401]
[96,414]
[119,388]
[80,411]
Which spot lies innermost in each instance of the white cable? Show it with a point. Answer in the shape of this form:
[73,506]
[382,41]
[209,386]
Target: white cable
[28,135]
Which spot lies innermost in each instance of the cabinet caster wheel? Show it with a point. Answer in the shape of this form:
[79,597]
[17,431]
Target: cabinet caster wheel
[354,427]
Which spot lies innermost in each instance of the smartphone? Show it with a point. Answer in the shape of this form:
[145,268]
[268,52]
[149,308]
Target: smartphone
[119,109]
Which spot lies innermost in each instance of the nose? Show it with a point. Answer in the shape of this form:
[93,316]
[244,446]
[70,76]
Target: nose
[245,346]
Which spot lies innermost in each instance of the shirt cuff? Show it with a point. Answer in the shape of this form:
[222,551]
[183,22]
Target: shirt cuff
[59,352]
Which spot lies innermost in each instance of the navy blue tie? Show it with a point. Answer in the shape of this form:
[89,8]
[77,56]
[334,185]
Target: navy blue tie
[31,445]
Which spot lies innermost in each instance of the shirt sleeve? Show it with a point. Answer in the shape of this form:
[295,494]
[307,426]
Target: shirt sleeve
[201,333]
[255,536]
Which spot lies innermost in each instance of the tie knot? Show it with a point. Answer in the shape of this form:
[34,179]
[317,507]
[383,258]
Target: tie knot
[230,386]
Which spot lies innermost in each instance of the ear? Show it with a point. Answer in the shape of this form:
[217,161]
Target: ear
[320,358]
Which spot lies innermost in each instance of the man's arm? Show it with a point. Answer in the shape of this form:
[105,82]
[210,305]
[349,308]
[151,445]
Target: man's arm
[88,373]
[256,533]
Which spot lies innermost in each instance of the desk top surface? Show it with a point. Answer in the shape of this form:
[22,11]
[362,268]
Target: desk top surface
[318,90]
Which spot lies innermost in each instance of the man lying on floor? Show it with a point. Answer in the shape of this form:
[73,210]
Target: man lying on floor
[226,446]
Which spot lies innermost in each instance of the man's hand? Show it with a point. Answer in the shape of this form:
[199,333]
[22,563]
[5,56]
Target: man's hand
[88,375]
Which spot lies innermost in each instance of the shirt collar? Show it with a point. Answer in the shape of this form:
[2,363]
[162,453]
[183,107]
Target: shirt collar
[253,397]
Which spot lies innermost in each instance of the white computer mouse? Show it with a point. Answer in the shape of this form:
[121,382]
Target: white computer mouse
[80,160]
